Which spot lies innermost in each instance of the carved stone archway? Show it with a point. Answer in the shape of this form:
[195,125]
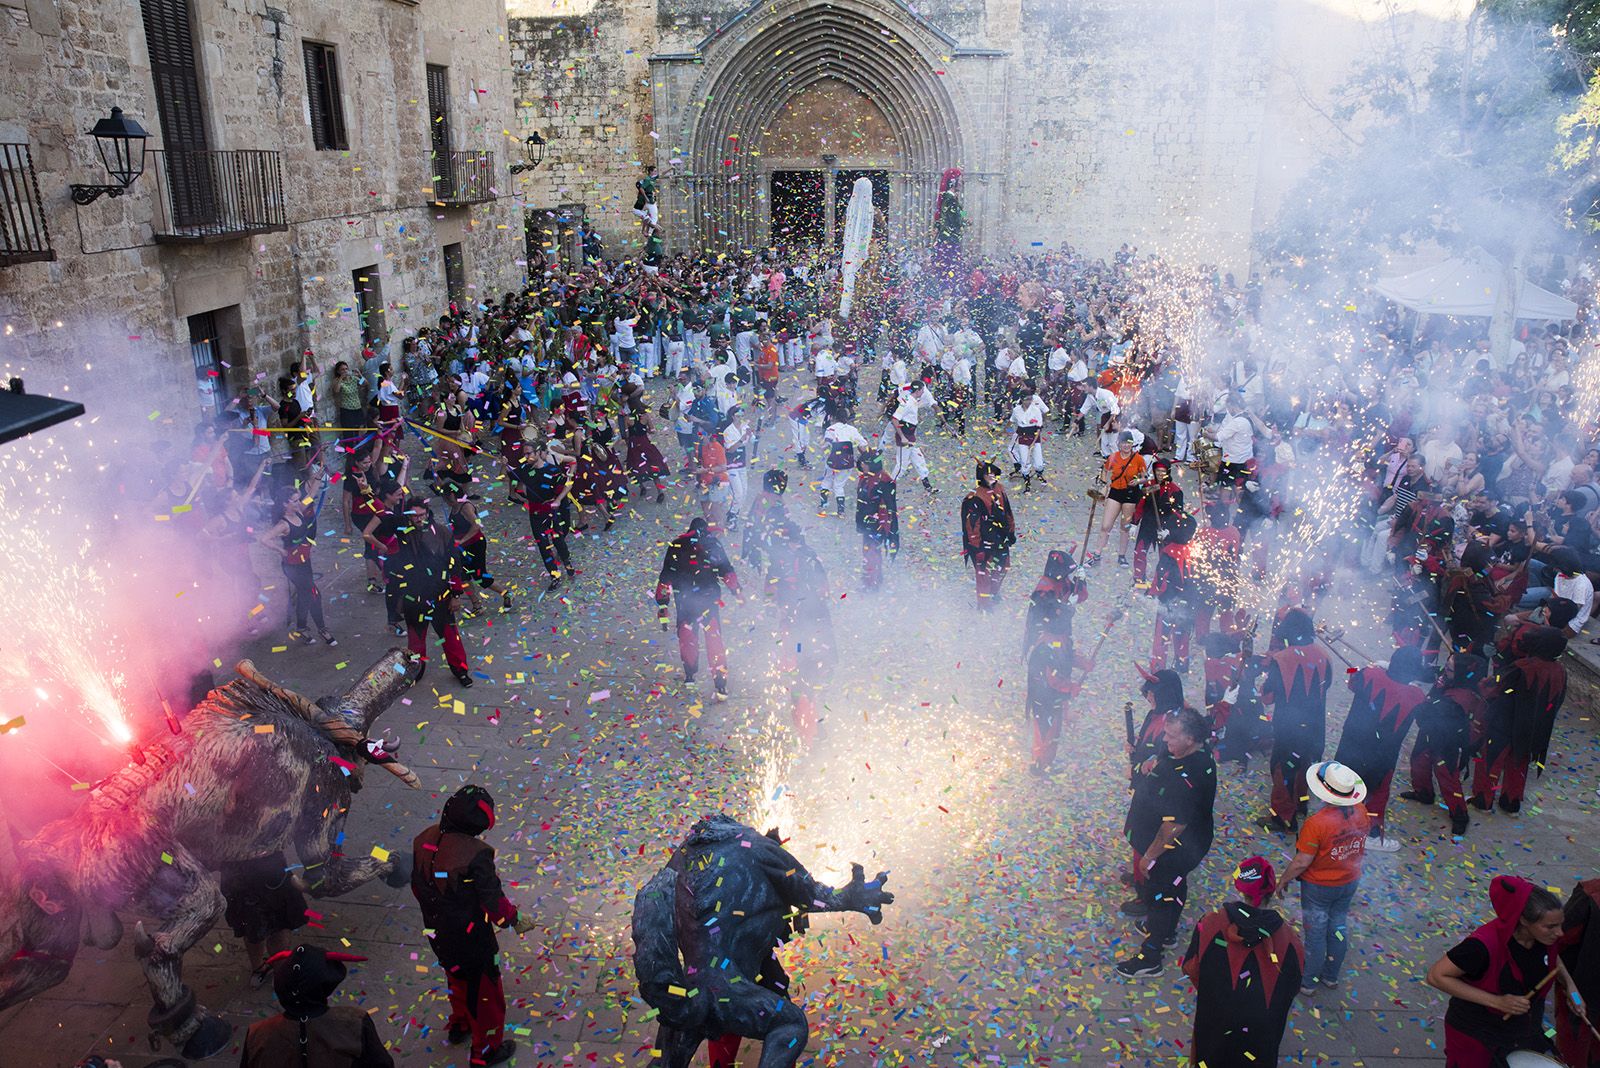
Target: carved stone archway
[714,106]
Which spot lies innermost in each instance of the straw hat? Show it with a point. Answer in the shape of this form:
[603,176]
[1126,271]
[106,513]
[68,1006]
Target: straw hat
[1336,784]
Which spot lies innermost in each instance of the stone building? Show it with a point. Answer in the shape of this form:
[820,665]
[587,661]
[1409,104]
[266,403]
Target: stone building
[1172,123]
[321,174]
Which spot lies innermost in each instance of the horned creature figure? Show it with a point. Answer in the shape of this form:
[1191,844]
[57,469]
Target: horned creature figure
[705,931]
[257,768]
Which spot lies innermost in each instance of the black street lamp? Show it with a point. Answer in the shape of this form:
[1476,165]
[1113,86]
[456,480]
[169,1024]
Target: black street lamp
[121,144]
[533,151]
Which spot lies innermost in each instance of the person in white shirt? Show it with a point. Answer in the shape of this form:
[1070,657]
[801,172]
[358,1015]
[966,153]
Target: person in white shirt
[1103,407]
[1027,420]
[912,402]
[1183,422]
[960,391]
[825,364]
[736,441]
[624,346]
[930,339]
[1235,435]
[845,445]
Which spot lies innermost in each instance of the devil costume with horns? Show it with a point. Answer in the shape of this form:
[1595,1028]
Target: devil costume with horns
[877,518]
[1448,724]
[1580,951]
[1523,701]
[1174,592]
[1296,685]
[454,880]
[1246,965]
[1161,505]
[988,530]
[1383,706]
[309,1033]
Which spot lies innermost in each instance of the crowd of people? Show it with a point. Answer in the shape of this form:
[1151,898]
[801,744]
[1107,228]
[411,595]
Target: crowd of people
[1472,507]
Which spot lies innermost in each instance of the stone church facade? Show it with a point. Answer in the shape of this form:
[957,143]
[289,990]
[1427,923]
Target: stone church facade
[1166,123]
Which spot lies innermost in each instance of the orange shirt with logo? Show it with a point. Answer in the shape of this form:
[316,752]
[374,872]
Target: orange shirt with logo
[1337,839]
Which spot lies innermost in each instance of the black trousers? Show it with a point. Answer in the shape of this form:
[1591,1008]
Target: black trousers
[1165,891]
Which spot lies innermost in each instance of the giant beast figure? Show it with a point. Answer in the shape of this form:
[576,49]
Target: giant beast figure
[257,768]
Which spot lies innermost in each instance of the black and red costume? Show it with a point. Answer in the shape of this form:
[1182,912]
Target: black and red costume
[424,566]
[988,530]
[692,573]
[545,488]
[455,882]
[806,651]
[1382,708]
[1579,949]
[1246,964]
[309,1033]
[1449,723]
[1296,686]
[1160,506]
[877,518]
[1054,599]
[1492,960]
[1175,594]
[1523,700]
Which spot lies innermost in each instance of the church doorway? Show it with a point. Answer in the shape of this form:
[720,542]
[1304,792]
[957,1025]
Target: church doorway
[799,208]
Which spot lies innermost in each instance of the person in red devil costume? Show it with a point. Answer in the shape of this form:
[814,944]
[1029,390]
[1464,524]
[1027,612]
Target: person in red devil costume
[1579,950]
[796,579]
[1174,592]
[1497,979]
[1296,685]
[1054,600]
[877,518]
[1246,964]
[454,879]
[1382,709]
[988,530]
[1161,505]
[310,1033]
[1448,723]
[1163,689]
[694,565]
[1523,700]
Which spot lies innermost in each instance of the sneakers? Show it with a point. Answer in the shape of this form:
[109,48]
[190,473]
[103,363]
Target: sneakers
[1122,560]
[457,1035]
[720,685]
[1308,988]
[500,1054]
[1379,843]
[1271,822]
[1142,966]
[1418,796]
[1143,927]
[463,678]
[1092,560]
[1134,907]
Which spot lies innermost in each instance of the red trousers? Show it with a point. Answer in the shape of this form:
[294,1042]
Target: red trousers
[478,1004]
[724,1050]
[1425,768]
[989,579]
[1046,737]
[1141,554]
[804,712]
[871,565]
[689,625]
[1487,774]
[1377,802]
[1176,633]
[443,621]
[1463,1051]
[1289,789]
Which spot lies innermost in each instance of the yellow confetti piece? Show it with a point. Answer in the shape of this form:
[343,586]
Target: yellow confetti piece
[379,853]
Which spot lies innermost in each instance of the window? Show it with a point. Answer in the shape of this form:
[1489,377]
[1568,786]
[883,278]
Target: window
[322,97]
[369,305]
[455,274]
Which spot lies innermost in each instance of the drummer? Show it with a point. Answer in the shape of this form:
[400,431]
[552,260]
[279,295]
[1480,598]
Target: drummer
[1497,979]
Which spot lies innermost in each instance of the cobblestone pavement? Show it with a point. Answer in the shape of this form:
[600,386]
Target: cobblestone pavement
[998,949]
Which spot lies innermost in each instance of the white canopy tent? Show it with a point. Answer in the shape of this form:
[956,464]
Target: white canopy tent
[1473,285]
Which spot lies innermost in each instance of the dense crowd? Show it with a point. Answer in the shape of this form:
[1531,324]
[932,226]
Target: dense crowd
[1466,492]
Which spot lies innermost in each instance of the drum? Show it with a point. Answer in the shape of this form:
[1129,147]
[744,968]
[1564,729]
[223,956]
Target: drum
[1527,1059]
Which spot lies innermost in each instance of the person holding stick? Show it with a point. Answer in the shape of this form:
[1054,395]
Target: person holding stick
[1498,976]
[1123,472]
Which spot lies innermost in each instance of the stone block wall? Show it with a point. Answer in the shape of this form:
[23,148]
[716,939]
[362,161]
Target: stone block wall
[117,291]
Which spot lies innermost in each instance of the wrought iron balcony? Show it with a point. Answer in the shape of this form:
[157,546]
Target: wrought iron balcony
[210,195]
[24,235]
[462,178]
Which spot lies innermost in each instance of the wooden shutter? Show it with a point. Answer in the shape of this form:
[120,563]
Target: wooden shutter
[322,91]
[439,131]
[170,35]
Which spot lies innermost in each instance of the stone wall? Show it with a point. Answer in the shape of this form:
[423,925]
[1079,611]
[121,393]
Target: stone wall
[122,296]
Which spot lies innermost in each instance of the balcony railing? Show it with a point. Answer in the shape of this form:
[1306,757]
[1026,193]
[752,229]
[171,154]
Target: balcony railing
[208,195]
[462,178]
[24,235]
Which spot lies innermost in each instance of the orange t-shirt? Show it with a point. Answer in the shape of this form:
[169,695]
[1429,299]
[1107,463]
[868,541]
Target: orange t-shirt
[1122,471]
[767,363]
[1337,838]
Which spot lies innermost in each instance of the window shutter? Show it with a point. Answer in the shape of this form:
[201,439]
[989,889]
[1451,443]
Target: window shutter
[169,34]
